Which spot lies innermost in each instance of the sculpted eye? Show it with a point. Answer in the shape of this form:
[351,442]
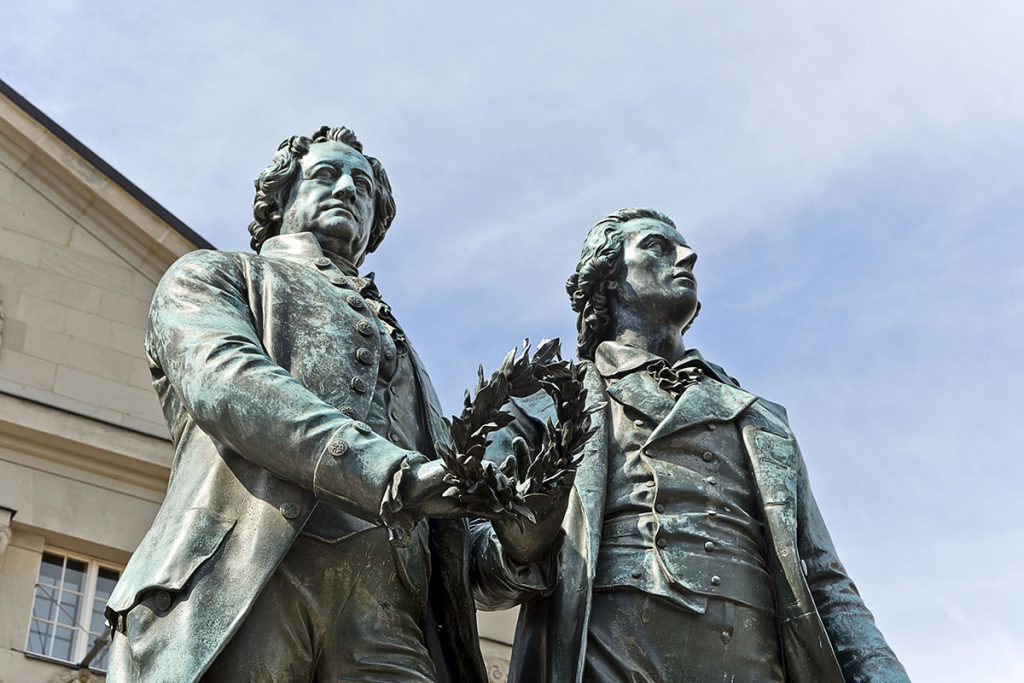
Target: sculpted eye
[363,184]
[324,173]
[655,244]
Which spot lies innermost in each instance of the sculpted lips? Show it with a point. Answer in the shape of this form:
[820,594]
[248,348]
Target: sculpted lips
[333,206]
[686,276]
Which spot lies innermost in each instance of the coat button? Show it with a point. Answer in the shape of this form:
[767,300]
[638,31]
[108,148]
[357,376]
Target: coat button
[708,456]
[355,302]
[709,546]
[659,508]
[652,483]
[389,354]
[362,428]
[712,426]
[716,581]
[359,384]
[712,513]
[290,510]
[662,543]
[365,328]
[323,262]
[338,448]
[712,481]
[161,600]
[364,356]
[636,574]
[638,423]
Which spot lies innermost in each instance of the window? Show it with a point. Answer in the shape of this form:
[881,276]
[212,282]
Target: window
[67,614]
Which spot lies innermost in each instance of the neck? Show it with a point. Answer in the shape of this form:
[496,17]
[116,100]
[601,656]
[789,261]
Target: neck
[344,265]
[664,340]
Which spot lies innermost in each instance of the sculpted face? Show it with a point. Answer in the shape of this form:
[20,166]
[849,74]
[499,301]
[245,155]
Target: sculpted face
[333,199]
[656,282]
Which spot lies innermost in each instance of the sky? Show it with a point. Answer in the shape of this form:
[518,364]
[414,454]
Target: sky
[849,174]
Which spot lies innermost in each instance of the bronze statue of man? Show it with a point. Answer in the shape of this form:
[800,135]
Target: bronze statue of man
[300,414]
[693,548]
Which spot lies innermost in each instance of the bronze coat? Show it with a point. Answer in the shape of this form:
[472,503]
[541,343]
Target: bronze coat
[827,633]
[253,357]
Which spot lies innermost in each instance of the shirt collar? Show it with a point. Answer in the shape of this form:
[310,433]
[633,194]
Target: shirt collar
[614,359]
[303,246]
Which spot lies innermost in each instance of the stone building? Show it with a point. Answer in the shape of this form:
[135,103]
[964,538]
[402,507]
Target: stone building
[84,451]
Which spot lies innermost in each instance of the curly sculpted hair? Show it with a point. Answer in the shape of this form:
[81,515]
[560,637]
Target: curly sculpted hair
[600,264]
[274,185]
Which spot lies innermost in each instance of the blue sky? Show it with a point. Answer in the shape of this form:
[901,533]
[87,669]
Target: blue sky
[850,175]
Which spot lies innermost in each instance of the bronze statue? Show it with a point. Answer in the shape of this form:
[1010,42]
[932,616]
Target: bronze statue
[306,429]
[693,548]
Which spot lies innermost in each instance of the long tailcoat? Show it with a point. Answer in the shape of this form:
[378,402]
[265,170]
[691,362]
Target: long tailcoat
[827,634]
[253,357]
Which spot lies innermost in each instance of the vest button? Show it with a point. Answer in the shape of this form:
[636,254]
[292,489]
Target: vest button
[709,546]
[389,354]
[712,426]
[364,356]
[323,262]
[161,600]
[355,302]
[359,385]
[652,483]
[716,580]
[708,456]
[338,448]
[348,411]
[659,508]
[638,423]
[364,327]
[636,574]
[289,510]
[362,428]
[712,481]
[662,543]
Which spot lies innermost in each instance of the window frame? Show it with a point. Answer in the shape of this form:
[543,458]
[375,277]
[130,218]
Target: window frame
[83,637]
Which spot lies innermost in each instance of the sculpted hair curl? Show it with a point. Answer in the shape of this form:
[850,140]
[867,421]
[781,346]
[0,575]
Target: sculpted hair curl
[274,184]
[599,265]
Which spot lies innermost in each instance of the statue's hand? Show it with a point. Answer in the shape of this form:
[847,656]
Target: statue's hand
[423,490]
[524,541]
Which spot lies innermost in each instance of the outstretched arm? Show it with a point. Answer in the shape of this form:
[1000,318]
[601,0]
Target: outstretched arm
[202,337]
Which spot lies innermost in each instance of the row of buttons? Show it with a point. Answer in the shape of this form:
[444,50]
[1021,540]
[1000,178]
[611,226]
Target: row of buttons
[638,574]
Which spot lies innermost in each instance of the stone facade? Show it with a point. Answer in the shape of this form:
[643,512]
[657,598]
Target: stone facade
[84,451]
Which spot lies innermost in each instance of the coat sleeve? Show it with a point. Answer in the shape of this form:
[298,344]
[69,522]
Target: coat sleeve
[204,346]
[859,646]
[499,582]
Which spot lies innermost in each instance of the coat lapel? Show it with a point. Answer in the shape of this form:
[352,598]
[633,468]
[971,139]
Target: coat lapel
[435,419]
[706,401]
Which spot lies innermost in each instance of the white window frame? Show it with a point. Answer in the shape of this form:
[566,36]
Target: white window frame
[82,638]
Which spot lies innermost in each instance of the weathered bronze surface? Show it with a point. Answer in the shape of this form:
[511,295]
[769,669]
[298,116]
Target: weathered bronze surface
[693,547]
[299,410]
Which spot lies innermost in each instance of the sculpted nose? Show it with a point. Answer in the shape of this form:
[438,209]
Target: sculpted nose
[686,258]
[345,187]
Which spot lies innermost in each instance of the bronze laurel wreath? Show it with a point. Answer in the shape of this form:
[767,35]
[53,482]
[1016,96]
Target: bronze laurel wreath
[500,490]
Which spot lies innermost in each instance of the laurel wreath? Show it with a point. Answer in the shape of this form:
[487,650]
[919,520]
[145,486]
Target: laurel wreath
[500,490]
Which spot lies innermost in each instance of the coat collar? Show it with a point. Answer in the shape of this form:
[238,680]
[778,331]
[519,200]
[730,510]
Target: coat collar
[713,399]
[303,247]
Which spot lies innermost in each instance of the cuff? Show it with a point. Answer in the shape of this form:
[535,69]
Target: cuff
[356,468]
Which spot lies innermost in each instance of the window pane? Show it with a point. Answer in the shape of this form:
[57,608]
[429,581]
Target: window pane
[62,643]
[38,637]
[68,612]
[105,582]
[74,576]
[98,623]
[49,570]
[45,606]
